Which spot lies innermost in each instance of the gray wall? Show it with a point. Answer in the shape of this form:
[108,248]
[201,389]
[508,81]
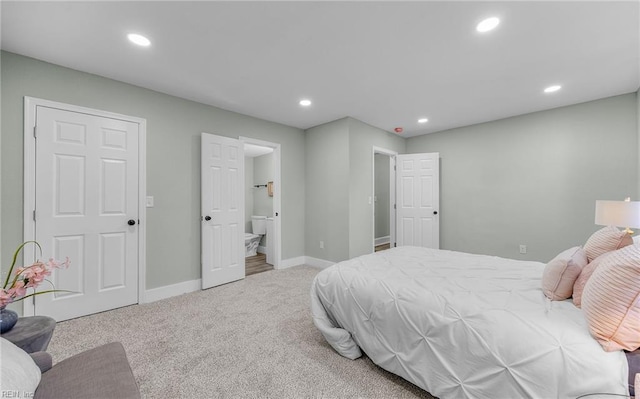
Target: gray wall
[327,190]
[534,179]
[362,139]
[248,193]
[262,173]
[173,160]
[339,185]
[382,195]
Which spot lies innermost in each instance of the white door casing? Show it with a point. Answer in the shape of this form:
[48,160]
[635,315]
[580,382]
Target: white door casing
[222,214]
[418,193]
[86,190]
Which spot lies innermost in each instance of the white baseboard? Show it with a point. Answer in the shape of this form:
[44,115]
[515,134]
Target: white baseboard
[262,250]
[168,291]
[305,260]
[156,294]
[319,263]
[383,240]
[286,263]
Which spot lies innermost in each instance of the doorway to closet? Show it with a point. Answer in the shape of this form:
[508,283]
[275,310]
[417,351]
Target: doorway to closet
[383,198]
[406,199]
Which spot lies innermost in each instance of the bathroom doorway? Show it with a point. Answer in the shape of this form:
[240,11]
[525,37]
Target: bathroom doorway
[262,205]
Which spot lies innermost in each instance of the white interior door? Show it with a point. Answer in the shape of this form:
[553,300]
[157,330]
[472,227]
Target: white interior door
[222,210]
[418,193]
[86,208]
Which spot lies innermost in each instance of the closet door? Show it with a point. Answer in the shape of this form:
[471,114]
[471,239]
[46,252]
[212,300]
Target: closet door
[417,200]
[86,208]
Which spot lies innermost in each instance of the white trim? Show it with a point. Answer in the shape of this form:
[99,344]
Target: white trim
[168,291]
[30,104]
[287,263]
[392,194]
[277,196]
[262,250]
[305,260]
[319,263]
[382,240]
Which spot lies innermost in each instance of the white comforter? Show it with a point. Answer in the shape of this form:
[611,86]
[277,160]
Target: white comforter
[461,325]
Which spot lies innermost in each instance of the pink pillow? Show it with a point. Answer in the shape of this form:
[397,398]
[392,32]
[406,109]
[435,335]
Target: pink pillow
[611,300]
[561,273]
[587,271]
[605,240]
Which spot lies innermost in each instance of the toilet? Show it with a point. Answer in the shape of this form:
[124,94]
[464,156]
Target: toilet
[252,240]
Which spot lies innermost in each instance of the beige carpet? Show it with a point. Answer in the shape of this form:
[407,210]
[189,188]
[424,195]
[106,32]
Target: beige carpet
[250,339]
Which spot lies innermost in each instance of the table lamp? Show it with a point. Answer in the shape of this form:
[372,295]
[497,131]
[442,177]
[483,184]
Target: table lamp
[618,213]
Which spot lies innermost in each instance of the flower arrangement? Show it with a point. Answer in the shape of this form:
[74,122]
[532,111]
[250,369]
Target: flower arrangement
[16,284]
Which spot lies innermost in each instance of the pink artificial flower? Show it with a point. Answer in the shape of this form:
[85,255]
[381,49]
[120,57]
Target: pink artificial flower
[29,277]
[56,264]
[18,289]
[5,298]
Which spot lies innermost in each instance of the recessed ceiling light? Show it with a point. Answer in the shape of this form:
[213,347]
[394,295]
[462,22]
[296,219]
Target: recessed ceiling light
[305,103]
[553,88]
[423,120]
[138,39]
[488,24]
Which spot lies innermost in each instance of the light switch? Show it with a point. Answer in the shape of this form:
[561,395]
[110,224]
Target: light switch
[150,201]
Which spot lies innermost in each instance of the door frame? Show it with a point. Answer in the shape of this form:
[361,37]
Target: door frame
[277,195]
[29,201]
[392,194]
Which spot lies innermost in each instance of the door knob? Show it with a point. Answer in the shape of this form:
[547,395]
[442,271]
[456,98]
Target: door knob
[131,222]
[207,218]
[435,212]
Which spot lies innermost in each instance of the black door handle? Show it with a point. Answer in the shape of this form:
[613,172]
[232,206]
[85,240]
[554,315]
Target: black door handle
[207,218]
[131,222]
[435,212]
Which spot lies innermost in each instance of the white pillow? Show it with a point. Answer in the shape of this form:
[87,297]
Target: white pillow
[18,372]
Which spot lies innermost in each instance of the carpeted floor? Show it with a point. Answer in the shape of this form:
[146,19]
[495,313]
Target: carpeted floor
[250,339]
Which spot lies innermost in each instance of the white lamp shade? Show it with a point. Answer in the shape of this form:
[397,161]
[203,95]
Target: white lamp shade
[618,213]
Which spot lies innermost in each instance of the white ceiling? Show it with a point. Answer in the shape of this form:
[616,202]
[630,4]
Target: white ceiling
[384,63]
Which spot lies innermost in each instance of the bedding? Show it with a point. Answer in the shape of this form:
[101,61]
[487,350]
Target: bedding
[462,326]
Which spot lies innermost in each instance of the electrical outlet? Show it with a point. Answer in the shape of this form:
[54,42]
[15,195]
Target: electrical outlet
[321,244]
[523,249]
[149,201]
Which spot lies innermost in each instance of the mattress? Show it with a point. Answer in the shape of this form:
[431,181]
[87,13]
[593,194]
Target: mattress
[462,326]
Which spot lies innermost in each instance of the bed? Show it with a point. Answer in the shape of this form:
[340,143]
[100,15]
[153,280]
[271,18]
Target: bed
[462,326]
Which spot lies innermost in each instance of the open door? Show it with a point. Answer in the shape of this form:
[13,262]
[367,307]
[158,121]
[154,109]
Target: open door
[418,200]
[222,210]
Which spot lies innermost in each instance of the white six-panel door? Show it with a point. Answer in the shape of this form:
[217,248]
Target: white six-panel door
[222,210]
[86,208]
[417,200]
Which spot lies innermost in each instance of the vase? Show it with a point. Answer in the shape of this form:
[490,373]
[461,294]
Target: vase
[8,319]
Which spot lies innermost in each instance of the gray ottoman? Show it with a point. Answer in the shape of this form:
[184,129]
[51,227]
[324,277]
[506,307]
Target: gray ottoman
[103,372]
